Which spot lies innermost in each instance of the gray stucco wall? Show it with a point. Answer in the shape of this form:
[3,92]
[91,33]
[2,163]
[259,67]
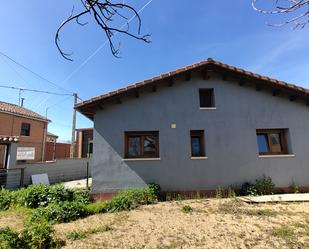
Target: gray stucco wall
[230,138]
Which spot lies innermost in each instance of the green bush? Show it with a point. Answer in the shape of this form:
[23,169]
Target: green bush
[61,212]
[131,199]
[97,207]
[186,209]
[10,239]
[248,188]
[155,188]
[38,235]
[42,195]
[81,196]
[5,199]
[264,185]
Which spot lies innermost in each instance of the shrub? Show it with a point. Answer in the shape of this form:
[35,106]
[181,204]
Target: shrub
[97,207]
[38,235]
[231,192]
[248,188]
[5,199]
[10,239]
[155,188]
[130,199]
[187,209]
[81,196]
[75,235]
[219,192]
[264,185]
[61,212]
[41,195]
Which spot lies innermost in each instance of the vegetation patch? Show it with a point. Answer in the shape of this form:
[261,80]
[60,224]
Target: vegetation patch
[187,209]
[78,235]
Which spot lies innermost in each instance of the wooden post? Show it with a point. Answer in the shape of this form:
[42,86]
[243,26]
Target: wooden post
[87,181]
[22,175]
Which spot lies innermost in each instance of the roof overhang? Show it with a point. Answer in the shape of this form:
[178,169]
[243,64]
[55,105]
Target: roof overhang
[205,68]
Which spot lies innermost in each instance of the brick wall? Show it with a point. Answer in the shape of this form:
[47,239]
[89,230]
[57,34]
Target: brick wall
[11,126]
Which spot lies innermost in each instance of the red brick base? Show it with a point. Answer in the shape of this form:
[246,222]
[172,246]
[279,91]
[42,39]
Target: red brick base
[193,194]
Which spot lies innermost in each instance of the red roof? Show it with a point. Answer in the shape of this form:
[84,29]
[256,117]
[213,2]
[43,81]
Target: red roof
[20,111]
[89,107]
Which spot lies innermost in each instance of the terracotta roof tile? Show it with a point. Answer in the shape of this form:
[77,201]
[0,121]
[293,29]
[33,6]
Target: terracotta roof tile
[210,64]
[21,111]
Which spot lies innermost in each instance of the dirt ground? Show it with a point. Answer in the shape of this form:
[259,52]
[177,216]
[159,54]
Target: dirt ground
[215,223]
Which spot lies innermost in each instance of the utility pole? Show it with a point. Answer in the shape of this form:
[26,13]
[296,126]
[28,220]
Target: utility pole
[72,150]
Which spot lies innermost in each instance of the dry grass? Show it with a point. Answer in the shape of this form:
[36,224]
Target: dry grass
[223,223]
[211,224]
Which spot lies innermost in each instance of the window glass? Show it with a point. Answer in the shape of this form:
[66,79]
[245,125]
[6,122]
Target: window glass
[262,142]
[134,146]
[275,142]
[25,129]
[196,146]
[197,143]
[150,145]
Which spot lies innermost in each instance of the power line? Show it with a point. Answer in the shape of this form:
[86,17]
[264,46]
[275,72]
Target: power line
[31,71]
[34,90]
[102,45]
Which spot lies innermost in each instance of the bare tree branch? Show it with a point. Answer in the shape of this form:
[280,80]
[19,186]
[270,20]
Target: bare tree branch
[104,13]
[297,11]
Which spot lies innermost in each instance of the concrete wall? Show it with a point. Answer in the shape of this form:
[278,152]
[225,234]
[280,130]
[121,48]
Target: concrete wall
[59,171]
[230,138]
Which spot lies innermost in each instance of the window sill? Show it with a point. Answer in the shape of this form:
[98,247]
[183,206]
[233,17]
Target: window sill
[142,159]
[208,108]
[199,158]
[277,156]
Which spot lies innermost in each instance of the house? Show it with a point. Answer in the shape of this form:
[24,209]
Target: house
[199,127]
[50,147]
[26,126]
[84,142]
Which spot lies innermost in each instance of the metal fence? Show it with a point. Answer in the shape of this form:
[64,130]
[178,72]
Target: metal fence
[12,178]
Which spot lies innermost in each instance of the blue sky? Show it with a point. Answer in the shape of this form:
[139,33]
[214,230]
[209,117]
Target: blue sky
[182,32]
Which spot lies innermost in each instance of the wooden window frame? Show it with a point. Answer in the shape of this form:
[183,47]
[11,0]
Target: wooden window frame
[212,96]
[141,134]
[201,135]
[283,140]
[21,129]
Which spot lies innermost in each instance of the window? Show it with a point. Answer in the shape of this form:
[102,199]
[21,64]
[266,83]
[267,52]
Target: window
[197,143]
[206,98]
[272,141]
[25,129]
[142,144]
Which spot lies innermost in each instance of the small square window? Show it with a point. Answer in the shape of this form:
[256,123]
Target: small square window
[272,141]
[206,98]
[25,129]
[197,143]
[142,144]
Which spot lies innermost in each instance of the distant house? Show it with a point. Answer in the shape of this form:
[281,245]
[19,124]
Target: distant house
[28,127]
[199,127]
[84,142]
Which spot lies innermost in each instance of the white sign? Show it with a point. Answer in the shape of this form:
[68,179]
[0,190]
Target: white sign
[25,153]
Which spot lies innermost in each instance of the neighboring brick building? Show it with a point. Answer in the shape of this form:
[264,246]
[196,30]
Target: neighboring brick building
[84,142]
[31,128]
